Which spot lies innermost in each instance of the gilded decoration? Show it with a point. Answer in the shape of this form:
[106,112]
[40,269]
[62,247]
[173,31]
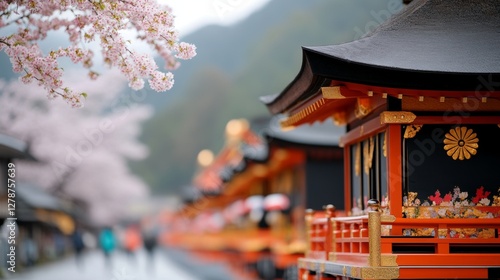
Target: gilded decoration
[363,272]
[363,107]
[384,146]
[295,118]
[460,143]
[379,273]
[339,118]
[332,93]
[368,148]
[357,162]
[397,117]
[389,260]
[411,130]
[456,204]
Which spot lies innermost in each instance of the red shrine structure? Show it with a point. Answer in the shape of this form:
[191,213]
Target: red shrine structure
[420,98]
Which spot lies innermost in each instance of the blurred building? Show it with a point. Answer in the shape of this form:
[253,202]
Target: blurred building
[38,224]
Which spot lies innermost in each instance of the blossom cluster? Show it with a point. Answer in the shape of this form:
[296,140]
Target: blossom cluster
[451,205]
[454,204]
[103,21]
[451,233]
[456,199]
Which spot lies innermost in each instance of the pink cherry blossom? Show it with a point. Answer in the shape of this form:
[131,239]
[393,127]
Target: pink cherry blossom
[82,154]
[27,22]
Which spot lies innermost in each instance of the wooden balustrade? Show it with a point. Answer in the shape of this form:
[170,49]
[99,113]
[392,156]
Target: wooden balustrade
[359,239]
[319,233]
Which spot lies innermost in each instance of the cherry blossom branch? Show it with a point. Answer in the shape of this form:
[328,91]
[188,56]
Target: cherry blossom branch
[86,21]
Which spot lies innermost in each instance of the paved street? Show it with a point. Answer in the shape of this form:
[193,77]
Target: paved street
[93,266]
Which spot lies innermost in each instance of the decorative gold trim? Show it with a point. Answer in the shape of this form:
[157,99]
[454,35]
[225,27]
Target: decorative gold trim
[352,271]
[368,148]
[363,107]
[356,272]
[375,232]
[387,218]
[411,130]
[384,146]
[389,117]
[460,143]
[389,260]
[332,257]
[357,159]
[379,273]
[339,118]
[295,118]
[332,93]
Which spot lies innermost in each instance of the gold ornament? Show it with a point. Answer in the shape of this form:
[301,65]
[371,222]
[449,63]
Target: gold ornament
[460,143]
[357,162]
[411,130]
[384,146]
[368,148]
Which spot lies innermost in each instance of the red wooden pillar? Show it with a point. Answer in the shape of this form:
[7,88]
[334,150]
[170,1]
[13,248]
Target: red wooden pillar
[395,172]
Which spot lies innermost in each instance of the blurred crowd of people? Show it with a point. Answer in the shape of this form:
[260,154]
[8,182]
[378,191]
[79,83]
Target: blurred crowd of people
[130,238]
[37,245]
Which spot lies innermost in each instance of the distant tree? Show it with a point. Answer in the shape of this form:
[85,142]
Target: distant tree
[82,154]
[26,23]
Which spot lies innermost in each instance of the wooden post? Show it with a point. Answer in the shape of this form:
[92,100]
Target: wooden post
[309,231]
[374,233]
[329,213]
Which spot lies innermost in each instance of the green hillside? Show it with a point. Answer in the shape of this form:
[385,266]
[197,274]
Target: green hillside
[235,65]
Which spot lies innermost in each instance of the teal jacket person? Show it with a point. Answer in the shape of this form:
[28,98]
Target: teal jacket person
[107,240]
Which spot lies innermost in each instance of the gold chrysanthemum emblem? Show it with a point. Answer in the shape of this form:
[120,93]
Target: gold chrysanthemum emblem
[460,143]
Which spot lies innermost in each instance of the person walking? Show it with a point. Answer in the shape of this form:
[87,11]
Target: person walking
[78,245]
[107,242]
[149,232]
[132,240]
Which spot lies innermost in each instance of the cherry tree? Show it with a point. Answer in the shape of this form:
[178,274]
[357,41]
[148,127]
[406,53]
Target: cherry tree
[107,24]
[84,154]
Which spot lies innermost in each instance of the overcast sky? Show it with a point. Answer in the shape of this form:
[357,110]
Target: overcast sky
[192,14]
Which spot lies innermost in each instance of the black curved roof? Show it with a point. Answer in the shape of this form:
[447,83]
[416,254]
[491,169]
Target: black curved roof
[319,134]
[430,45]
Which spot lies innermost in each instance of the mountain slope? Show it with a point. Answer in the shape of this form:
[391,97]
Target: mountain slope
[235,66]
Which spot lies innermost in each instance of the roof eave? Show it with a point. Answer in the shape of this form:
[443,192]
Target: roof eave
[305,85]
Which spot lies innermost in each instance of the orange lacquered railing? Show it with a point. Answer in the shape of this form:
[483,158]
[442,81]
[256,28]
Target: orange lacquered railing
[317,231]
[364,239]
